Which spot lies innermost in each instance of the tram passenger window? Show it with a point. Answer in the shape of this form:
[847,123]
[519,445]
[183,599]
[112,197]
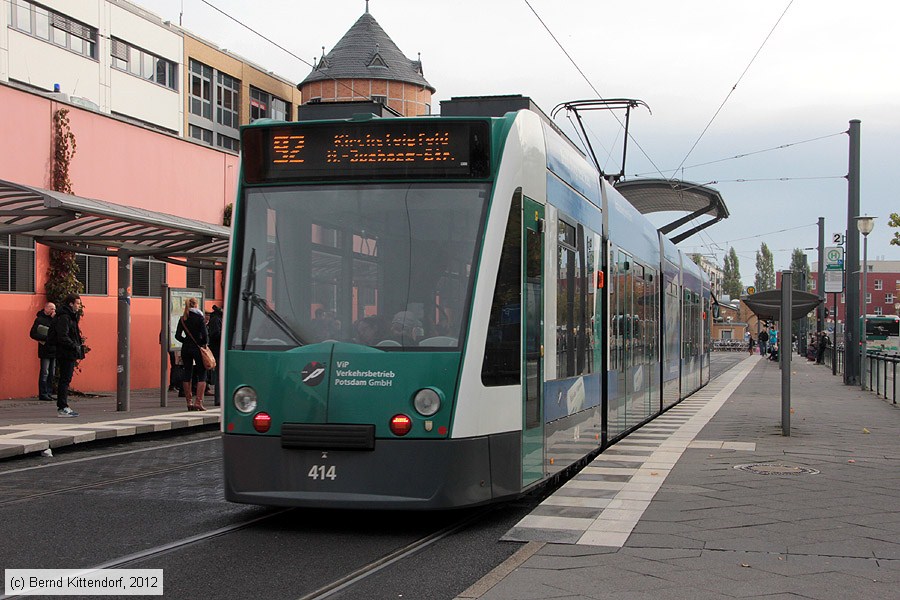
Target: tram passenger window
[503,348]
[567,317]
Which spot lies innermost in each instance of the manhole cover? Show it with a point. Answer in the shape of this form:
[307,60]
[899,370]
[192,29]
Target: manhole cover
[776,469]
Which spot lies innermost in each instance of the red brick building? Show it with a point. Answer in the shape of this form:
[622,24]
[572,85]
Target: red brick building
[882,290]
[366,65]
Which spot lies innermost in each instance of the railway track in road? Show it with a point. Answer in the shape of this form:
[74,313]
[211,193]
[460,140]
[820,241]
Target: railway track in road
[103,482]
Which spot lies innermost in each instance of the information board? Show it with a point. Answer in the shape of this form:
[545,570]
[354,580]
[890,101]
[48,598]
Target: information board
[834,270]
[177,298]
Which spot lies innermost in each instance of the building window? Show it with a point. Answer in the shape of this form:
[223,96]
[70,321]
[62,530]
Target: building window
[868,298]
[889,298]
[201,90]
[143,64]
[229,143]
[92,274]
[16,263]
[879,284]
[227,100]
[379,99]
[812,284]
[205,278]
[147,277]
[266,106]
[53,27]
[879,311]
[199,133]
[842,297]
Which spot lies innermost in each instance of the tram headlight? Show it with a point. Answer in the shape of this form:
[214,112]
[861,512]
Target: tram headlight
[427,402]
[245,399]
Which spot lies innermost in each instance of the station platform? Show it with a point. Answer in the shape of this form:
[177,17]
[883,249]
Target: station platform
[710,500]
[30,425]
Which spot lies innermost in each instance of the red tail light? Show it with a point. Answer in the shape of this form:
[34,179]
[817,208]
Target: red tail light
[400,424]
[261,422]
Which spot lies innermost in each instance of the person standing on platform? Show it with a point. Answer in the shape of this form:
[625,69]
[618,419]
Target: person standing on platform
[40,330]
[65,334]
[192,334]
[215,342]
[763,341]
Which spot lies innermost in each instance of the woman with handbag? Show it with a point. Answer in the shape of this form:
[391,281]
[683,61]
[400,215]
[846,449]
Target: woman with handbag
[192,334]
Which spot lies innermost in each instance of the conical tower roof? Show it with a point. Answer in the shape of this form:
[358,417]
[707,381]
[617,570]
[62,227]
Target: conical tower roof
[367,52]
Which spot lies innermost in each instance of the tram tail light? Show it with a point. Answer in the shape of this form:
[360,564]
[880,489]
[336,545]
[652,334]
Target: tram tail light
[261,422]
[400,424]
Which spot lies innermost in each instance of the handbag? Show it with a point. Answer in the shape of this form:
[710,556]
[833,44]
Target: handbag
[206,355]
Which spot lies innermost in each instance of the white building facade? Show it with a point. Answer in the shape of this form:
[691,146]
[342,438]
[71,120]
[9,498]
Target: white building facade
[105,54]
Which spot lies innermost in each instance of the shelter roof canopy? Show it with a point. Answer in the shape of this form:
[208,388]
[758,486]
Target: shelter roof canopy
[99,228]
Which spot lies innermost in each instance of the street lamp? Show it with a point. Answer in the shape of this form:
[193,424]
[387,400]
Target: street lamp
[865,225]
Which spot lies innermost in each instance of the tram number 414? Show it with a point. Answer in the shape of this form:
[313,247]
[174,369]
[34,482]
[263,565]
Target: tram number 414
[322,472]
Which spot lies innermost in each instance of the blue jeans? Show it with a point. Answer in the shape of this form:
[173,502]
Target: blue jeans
[45,380]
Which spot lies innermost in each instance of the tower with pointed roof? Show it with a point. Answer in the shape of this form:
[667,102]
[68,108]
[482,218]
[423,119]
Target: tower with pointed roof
[366,65]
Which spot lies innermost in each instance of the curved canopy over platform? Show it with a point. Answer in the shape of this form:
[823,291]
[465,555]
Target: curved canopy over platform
[671,195]
[99,228]
[767,305]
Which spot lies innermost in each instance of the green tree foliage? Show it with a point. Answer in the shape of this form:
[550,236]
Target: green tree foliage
[765,269]
[731,280]
[696,258]
[800,267]
[62,272]
[894,221]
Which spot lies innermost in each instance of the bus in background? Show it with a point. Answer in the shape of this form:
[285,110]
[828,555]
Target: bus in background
[883,333]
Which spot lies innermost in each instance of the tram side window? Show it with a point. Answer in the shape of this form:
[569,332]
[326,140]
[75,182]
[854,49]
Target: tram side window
[650,312]
[613,327]
[575,301]
[503,347]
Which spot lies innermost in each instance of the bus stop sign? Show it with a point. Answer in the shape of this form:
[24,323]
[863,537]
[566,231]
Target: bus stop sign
[834,269]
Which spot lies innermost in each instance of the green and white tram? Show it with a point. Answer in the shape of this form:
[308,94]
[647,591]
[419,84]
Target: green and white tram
[436,312]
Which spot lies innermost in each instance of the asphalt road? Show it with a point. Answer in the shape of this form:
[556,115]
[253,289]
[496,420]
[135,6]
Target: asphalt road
[159,501]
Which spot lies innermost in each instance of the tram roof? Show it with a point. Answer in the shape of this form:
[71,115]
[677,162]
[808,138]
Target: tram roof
[672,195]
[100,228]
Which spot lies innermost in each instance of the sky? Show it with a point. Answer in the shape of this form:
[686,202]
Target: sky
[775,80]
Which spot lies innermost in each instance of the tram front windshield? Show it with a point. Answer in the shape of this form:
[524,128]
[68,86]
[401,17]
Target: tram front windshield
[388,266]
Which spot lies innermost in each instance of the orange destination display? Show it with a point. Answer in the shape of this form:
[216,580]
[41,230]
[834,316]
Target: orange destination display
[366,150]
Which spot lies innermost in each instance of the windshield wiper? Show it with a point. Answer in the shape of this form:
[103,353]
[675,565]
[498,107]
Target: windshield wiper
[252,299]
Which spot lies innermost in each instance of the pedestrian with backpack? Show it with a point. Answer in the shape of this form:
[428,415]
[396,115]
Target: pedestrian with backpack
[40,331]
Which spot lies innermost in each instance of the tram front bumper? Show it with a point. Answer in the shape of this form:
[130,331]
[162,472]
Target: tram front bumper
[398,474]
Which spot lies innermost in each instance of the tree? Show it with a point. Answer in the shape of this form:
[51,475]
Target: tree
[800,267]
[696,258]
[765,269]
[731,280]
[895,222]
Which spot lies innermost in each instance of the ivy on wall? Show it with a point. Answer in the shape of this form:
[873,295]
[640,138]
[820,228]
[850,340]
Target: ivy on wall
[63,269]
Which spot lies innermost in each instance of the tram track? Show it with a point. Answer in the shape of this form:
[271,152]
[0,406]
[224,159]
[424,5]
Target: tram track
[373,567]
[137,557]
[106,482]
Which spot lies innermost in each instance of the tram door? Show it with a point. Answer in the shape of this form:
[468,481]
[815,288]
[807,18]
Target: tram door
[533,343]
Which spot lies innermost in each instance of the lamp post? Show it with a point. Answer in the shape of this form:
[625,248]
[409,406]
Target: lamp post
[864,225]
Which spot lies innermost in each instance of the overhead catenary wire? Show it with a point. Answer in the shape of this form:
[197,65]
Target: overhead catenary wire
[590,84]
[274,43]
[746,154]
[734,87]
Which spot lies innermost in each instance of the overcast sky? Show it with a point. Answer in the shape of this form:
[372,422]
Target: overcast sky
[826,62]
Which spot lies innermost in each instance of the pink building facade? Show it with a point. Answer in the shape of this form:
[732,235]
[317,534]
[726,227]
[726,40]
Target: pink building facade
[116,162]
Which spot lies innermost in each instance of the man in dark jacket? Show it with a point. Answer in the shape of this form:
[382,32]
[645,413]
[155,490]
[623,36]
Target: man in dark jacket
[215,341]
[40,330]
[66,335]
